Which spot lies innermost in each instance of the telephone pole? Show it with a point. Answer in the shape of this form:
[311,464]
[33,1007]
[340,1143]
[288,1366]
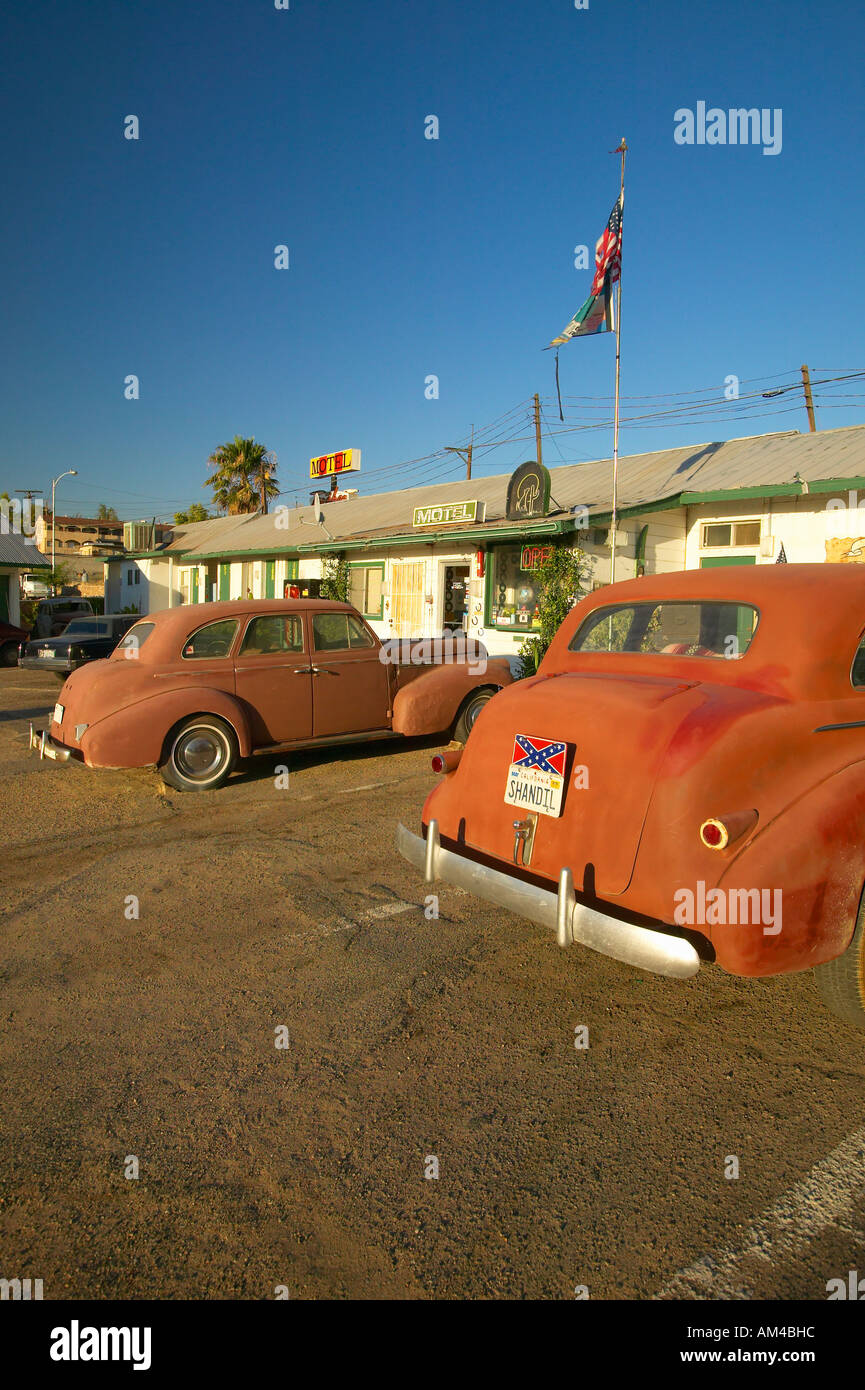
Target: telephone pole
[262,485]
[538,426]
[465,453]
[809,400]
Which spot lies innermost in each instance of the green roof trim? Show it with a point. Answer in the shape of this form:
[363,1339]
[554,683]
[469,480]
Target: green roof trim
[747,494]
[547,527]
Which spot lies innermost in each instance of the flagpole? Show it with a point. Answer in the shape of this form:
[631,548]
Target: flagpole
[623,149]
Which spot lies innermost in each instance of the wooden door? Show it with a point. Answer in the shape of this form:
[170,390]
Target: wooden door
[407,596]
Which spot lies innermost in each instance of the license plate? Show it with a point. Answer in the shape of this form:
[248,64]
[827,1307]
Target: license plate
[59,711]
[45,651]
[536,776]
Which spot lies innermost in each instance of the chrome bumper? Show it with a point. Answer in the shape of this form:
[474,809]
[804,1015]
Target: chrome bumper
[47,747]
[572,921]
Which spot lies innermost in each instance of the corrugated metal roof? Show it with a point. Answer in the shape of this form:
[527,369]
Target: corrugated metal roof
[760,461]
[18,551]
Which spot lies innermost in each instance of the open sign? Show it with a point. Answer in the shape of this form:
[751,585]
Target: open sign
[533,556]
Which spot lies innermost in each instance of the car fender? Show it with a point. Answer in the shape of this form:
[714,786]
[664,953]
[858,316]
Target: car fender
[134,736]
[812,853]
[431,702]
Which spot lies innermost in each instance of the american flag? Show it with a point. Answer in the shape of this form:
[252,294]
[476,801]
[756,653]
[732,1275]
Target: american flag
[539,753]
[596,314]
[608,251]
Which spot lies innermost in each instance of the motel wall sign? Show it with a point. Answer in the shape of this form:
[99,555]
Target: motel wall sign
[448,514]
[528,492]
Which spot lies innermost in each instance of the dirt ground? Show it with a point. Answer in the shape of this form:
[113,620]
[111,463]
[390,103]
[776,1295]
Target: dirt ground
[408,1041]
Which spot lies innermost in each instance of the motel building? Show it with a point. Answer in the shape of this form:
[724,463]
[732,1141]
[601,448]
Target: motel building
[463,555]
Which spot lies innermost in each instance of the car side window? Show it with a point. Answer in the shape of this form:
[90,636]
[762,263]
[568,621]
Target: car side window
[213,640]
[337,632]
[357,633]
[273,634]
[857,671]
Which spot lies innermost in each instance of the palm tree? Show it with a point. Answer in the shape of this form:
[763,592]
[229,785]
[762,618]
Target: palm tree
[243,477]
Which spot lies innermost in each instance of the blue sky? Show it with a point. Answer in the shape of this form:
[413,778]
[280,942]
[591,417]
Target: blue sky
[411,257]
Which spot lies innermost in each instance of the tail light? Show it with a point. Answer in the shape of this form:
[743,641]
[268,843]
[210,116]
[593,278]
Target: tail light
[720,831]
[447,761]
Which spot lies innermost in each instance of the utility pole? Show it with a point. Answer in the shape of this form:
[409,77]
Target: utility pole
[538,426]
[809,401]
[261,484]
[465,453]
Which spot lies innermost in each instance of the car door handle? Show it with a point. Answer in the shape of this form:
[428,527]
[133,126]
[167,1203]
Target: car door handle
[323,671]
[303,670]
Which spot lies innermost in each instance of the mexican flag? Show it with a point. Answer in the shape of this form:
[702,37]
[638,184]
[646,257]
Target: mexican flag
[596,315]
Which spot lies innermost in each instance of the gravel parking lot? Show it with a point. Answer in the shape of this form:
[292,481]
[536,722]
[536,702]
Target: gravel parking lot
[305,1166]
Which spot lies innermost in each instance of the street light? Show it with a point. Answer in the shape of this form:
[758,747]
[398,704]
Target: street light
[70,473]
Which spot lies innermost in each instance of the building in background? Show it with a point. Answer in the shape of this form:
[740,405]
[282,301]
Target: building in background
[82,544]
[17,556]
[465,554]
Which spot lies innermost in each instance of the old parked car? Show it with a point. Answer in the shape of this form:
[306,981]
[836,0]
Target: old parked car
[82,640]
[11,638]
[54,614]
[682,781]
[191,690]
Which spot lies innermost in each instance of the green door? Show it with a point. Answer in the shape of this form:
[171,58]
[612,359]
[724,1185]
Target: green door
[721,561]
[225,581]
[193,586]
[5,580]
[270,579]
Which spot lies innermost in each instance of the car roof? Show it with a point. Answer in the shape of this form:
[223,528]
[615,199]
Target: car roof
[172,625]
[194,614]
[811,618]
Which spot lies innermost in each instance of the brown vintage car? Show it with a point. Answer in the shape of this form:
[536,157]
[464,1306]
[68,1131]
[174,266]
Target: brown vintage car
[193,689]
[683,780]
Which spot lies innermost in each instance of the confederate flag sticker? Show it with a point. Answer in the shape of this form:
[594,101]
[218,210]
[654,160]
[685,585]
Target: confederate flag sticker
[536,776]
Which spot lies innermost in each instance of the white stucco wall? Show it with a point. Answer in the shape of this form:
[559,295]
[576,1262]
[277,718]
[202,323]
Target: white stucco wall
[803,524]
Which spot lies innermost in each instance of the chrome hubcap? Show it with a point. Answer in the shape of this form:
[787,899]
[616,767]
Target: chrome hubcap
[473,712]
[198,754]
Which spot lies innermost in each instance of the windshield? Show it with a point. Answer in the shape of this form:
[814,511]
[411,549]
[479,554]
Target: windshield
[713,629]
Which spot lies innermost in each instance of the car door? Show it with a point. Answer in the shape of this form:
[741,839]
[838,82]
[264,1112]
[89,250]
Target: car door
[350,683]
[273,676]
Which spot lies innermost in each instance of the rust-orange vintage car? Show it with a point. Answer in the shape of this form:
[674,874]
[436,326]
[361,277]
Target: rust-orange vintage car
[191,690]
[682,781]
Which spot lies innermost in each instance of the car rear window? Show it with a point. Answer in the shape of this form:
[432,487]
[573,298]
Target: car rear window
[211,641]
[712,629]
[336,632]
[135,637]
[93,627]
